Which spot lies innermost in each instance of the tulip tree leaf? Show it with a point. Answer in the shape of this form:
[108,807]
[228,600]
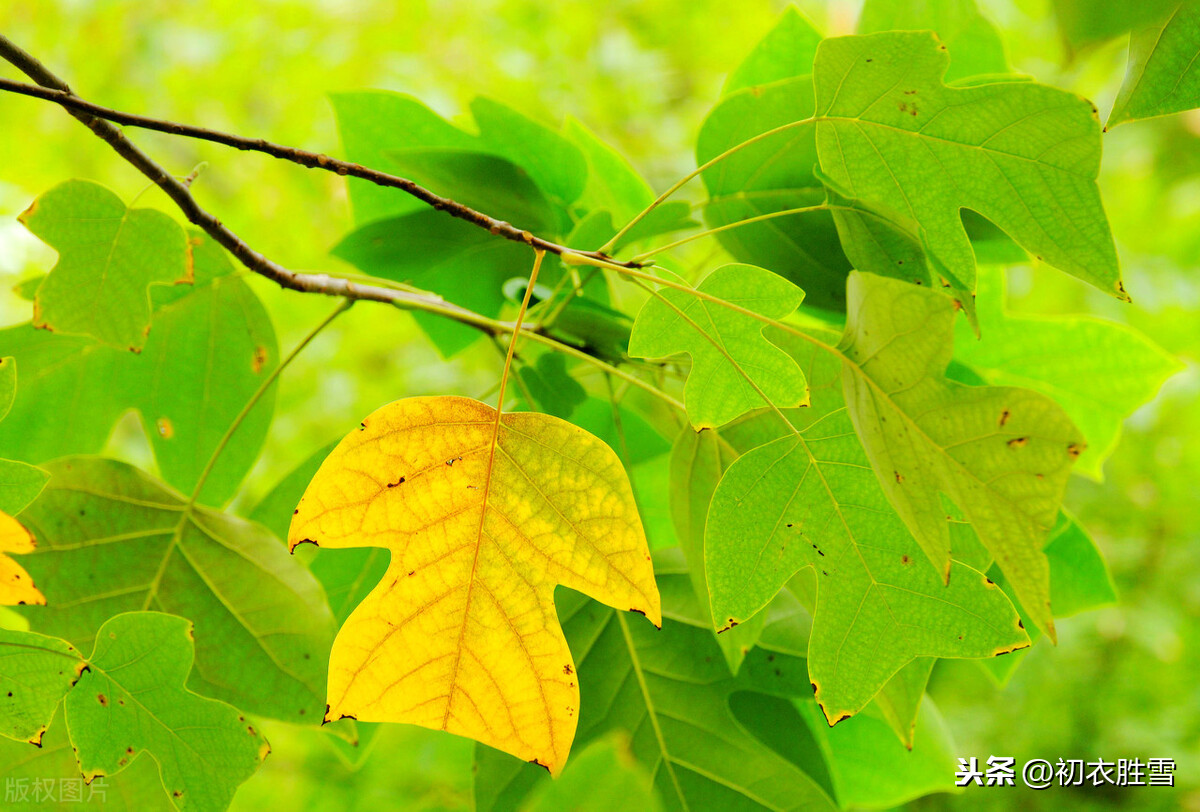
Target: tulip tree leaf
[211,347]
[975,46]
[810,499]
[484,515]
[773,174]
[136,788]
[1098,371]
[1164,67]
[132,698]
[670,691]
[1086,22]
[1023,155]
[112,539]
[787,50]
[36,672]
[108,256]
[1001,454]
[733,365]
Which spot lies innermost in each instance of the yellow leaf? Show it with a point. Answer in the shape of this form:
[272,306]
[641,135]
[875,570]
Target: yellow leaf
[16,587]
[483,518]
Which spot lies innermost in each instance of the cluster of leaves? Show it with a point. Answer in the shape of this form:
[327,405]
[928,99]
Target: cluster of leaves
[858,481]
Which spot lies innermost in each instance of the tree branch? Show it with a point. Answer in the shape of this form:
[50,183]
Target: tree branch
[53,89]
[57,90]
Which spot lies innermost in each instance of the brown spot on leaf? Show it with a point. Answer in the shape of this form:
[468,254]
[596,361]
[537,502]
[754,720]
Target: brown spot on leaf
[1018,442]
[904,559]
[166,429]
[899,476]
[567,669]
[399,481]
[1004,415]
[102,699]
[1074,450]
[259,360]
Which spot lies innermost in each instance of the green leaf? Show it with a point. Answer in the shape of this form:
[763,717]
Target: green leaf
[1098,371]
[787,50]
[698,460]
[612,183]
[554,163]
[1002,454]
[452,258]
[975,46]
[1086,22]
[551,386]
[642,442]
[603,778]
[374,122]
[111,540]
[36,672]
[132,698]
[8,384]
[811,500]
[19,483]
[734,367]
[1079,582]
[1163,75]
[870,771]
[1023,155]
[670,692]
[48,778]
[484,182]
[210,349]
[772,175]
[108,256]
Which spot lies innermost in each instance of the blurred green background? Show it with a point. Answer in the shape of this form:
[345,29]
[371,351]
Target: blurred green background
[1123,681]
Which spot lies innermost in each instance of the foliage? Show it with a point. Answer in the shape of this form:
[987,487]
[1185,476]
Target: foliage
[811,440]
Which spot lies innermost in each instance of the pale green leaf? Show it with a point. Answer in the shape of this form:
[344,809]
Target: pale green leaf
[1086,22]
[1023,155]
[871,771]
[374,122]
[613,184]
[108,257]
[1098,371]
[773,174]
[132,699]
[48,778]
[1164,67]
[975,46]
[1001,454]
[111,540]
[603,778]
[554,163]
[36,672]
[787,50]
[733,365]
[211,347]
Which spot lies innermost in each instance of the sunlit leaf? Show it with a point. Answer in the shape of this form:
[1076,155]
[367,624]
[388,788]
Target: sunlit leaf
[733,365]
[1001,454]
[16,585]
[36,672]
[1098,371]
[484,517]
[1023,155]
[211,347]
[108,257]
[111,539]
[787,50]
[975,46]
[131,699]
[1164,74]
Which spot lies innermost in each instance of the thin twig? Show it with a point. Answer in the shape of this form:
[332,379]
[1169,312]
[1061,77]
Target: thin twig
[54,90]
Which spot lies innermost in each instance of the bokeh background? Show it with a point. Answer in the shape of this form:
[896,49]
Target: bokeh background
[1123,681]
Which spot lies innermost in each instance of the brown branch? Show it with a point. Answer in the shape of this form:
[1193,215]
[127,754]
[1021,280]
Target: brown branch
[53,90]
